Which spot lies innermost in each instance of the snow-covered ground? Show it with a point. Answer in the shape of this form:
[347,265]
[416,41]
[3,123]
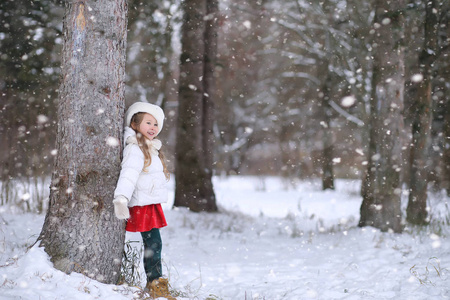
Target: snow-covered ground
[272,240]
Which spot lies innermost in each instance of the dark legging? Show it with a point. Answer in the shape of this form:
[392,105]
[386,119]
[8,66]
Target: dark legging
[152,254]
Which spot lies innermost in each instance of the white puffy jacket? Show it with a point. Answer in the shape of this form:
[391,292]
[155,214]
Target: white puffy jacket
[139,187]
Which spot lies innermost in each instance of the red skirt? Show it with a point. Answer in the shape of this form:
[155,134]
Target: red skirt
[145,218]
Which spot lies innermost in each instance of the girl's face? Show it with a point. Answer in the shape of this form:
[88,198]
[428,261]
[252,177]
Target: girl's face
[148,127]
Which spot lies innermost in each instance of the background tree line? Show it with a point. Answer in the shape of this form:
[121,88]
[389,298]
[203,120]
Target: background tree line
[293,92]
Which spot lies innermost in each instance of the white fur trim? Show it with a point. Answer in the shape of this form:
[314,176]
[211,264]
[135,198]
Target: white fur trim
[154,145]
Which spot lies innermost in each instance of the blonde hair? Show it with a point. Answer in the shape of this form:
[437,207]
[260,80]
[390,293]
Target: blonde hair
[136,120]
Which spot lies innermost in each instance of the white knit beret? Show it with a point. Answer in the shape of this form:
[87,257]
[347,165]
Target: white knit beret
[149,108]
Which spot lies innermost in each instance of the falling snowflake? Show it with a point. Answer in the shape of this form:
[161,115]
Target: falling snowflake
[26,197]
[112,141]
[417,78]
[41,119]
[336,160]
[348,101]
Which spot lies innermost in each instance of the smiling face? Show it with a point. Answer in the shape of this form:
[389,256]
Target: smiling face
[148,126]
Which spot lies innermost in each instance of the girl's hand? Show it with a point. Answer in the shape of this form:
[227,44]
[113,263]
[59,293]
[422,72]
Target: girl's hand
[121,208]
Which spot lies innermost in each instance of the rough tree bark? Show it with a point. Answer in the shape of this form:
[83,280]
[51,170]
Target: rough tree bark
[194,151]
[382,185]
[80,232]
[416,211]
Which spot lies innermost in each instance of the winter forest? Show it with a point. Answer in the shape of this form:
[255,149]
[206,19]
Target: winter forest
[308,144]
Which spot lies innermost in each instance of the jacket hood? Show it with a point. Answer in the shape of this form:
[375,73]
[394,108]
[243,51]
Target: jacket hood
[129,136]
[149,108]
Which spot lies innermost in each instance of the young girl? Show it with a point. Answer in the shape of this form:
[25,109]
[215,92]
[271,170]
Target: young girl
[141,188]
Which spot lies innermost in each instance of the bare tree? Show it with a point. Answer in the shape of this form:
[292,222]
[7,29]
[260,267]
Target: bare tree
[28,79]
[382,185]
[193,171]
[80,232]
[150,51]
[321,42]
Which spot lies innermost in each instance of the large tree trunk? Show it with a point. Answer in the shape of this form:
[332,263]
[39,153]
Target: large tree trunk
[80,231]
[381,195]
[416,212]
[194,129]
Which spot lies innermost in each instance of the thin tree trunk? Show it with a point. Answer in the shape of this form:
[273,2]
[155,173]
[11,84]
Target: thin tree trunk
[416,212]
[194,131]
[212,8]
[327,136]
[381,195]
[80,231]
[446,150]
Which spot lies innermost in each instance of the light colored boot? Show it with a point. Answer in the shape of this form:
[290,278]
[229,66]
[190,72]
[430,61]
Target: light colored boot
[160,288]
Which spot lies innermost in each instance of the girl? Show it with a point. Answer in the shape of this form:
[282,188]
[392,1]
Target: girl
[141,188]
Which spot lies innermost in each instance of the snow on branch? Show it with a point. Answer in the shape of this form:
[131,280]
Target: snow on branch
[346,115]
[310,77]
[238,143]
